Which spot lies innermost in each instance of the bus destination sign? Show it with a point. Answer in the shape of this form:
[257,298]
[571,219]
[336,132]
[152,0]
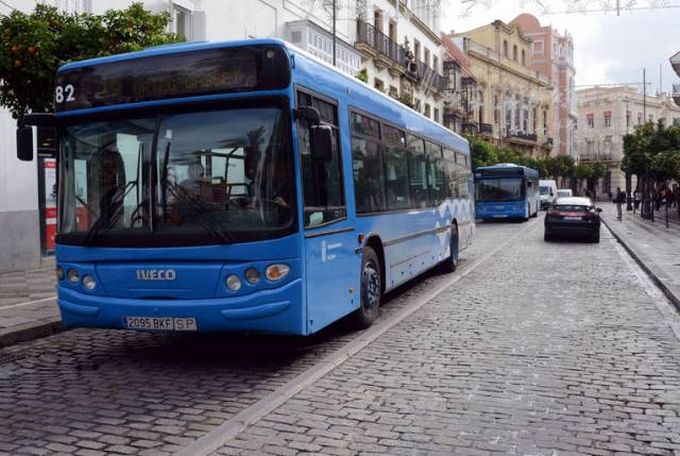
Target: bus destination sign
[183,74]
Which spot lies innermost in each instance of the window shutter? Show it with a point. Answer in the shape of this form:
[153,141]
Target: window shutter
[198,25]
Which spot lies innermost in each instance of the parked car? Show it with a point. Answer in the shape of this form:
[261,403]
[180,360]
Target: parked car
[564,193]
[548,189]
[573,216]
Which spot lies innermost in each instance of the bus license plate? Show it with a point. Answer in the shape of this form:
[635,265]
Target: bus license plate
[161,323]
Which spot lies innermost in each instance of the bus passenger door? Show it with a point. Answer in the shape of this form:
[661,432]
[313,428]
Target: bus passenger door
[331,264]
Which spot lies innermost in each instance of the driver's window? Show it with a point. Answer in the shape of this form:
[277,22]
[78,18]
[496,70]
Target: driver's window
[323,190]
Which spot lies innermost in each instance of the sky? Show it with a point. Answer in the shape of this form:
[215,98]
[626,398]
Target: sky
[607,48]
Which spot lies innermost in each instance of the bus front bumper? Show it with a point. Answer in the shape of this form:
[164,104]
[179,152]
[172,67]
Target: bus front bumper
[278,310]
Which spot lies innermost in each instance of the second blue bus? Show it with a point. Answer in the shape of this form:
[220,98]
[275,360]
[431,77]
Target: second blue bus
[506,191]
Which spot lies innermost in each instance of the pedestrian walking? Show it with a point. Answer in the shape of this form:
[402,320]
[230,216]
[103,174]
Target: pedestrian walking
[636,200]
[619,200]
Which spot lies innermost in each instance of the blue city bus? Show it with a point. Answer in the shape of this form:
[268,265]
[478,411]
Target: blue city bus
[506,191]
[243,186]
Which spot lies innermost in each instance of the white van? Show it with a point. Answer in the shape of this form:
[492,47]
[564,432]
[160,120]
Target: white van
[548,192]
[564,193]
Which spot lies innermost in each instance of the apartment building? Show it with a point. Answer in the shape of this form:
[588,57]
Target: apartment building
[552,54]
[605,115]
[675,63]
[514,101]
[460,98]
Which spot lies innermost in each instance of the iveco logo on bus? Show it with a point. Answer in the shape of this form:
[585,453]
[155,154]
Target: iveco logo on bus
[156,274]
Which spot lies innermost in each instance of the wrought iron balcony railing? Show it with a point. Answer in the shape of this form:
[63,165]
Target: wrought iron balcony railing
[377,40]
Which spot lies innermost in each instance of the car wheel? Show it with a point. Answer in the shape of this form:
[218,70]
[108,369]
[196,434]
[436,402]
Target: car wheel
[451,263]
[371,290]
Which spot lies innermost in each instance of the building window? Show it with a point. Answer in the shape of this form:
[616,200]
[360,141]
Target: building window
[514,52]
[537,48]
[524,58]
[416,50]
[436,115]
[187,23]
[639,118]
[435,63]
[71,6]
[505,48]
[426,56]
[534,115]
[607,118]
[426,112]
[393,31]
[378,84]
[496,110]
[378,20]
[591,120]
[394,92]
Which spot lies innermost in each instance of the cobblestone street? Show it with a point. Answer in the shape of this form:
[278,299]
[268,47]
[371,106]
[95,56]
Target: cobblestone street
[543,348]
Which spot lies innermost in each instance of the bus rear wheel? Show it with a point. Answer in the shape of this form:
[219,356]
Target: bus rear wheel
[450,264]
[371,290]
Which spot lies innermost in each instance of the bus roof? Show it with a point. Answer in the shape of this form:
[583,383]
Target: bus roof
[508,169]
[311,72]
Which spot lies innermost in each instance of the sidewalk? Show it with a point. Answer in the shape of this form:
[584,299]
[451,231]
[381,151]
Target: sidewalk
[28,307]
[655,247]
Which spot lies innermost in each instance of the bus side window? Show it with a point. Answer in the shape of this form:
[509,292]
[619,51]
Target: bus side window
[367,165]
[436,174]
[417,171]
[323,192]
[451,174]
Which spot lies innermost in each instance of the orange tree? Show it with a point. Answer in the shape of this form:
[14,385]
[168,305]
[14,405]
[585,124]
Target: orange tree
[34,45]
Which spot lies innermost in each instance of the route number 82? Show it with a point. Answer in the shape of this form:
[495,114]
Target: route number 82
[65,93]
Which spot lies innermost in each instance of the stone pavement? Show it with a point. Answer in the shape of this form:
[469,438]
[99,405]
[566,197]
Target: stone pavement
[27,305]
[655,247]
[549,349]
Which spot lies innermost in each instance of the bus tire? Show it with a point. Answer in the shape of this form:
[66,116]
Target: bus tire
[371,290]
[451,263]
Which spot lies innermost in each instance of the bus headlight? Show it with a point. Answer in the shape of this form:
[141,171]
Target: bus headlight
[73,276]
[276,272]
[60,273]
[252,275]
[233,282]
[89,282]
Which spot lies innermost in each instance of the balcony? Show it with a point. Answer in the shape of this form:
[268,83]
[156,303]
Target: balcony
[676,94]
[675,63]
[380,47]
[427,75]
[591,158]
[484,51]
[471,127]
[548,144]
[486,129]
[522,137]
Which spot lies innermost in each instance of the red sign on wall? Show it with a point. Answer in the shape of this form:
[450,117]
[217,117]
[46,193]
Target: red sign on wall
[50,215]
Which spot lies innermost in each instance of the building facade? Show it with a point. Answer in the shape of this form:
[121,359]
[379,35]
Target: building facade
[606,115]
[395,42]
[514,101]
[675,63]
[460,98]
[552,54]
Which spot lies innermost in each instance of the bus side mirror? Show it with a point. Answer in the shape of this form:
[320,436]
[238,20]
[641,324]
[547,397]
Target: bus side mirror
[321,142]
[25,143]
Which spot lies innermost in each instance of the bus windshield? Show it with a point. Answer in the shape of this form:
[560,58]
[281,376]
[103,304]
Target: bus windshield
[499,189]
[221,175]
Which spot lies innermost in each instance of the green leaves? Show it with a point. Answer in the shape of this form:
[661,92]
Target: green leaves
[652,150]
[34,45]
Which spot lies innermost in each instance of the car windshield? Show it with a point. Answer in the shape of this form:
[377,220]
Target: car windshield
[218,174]
[544,189]
[562,193]
[502,189]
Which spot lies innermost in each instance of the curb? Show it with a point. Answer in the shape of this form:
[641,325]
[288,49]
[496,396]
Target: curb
[30,331]
[658,281]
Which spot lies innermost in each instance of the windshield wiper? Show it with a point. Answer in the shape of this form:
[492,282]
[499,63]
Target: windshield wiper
[111,211]
[210,224]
